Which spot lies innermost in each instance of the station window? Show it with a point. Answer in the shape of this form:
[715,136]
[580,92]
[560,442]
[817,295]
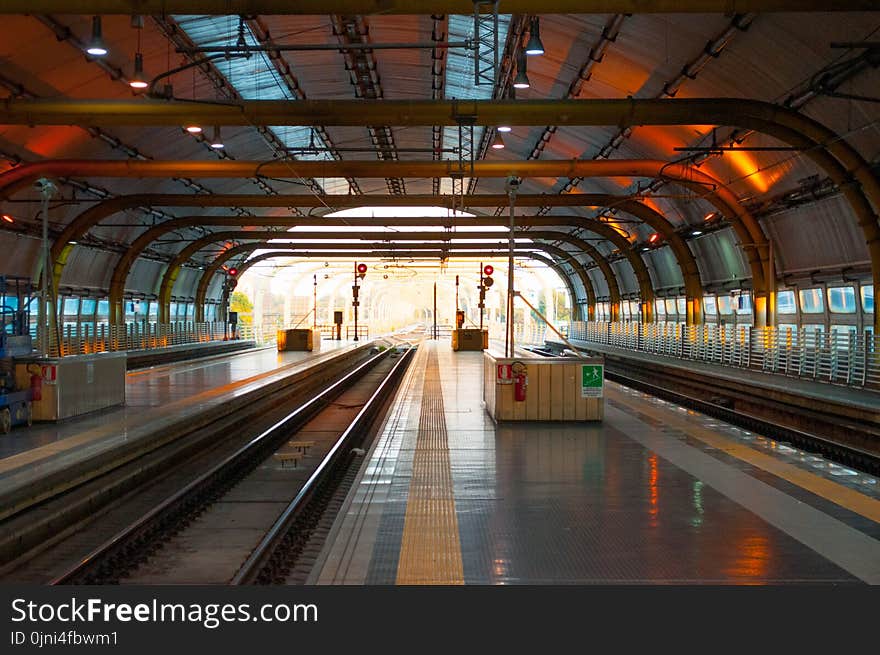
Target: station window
[868,297]
[744,303]
[173,311]
[153,311]
[634,309]
[682,305]
[624,309]
[725,305]
[842,300]
[709,305]
[87,308]
[785,303]
[670,306]
[660,307]
[811,301]
[71,307]
[103,310]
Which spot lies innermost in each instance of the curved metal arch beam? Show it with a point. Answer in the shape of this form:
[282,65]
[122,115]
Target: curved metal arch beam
[245,265]
[750,114]
[214,266]
[559,266]
[127,259]
[747,228]
[83,222]
[173,268]
[772,119]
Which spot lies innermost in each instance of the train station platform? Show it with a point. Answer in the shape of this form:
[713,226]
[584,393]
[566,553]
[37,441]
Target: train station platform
[654,494]
[160,402]
[815,390]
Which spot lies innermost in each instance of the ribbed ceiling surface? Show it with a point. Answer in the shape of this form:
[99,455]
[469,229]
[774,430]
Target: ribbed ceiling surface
[756,56]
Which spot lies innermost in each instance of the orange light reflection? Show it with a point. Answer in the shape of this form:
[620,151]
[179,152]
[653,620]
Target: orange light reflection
[653,491]
[747,167]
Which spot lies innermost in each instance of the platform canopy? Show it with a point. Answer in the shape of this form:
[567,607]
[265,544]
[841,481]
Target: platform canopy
[662,149]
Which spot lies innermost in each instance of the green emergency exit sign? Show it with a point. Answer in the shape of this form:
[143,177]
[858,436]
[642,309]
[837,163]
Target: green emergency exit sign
[592,377]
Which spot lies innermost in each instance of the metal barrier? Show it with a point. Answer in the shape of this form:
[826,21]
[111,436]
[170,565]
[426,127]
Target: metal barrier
[90,338]
[846,358]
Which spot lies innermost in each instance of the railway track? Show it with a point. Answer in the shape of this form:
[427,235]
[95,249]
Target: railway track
[205,531]
[44,537]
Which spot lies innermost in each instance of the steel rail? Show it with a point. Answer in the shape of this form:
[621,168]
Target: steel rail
[254,568]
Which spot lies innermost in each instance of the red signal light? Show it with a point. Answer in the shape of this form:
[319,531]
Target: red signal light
[233,272]
[488,269]
[653,238]
[361,269]
[8,218]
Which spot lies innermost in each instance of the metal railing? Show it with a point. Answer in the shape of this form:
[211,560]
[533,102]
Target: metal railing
[87,338]
[846,358]
[262,335]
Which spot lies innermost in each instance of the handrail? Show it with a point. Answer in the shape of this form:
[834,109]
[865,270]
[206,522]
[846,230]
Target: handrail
[849,358]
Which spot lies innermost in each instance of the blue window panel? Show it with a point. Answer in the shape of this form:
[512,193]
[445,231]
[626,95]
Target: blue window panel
[812,301]
[709,305]
[785,303]
[842,300]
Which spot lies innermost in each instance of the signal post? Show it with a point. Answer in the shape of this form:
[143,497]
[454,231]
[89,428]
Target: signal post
[473,338]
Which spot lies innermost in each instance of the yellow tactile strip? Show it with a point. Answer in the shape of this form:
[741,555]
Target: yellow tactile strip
[430,551]
[828,489]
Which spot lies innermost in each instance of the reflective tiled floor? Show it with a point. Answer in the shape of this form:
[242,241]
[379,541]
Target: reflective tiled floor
[653,494]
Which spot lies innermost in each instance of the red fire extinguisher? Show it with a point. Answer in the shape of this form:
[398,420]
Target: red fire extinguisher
[520,381]
[36,384]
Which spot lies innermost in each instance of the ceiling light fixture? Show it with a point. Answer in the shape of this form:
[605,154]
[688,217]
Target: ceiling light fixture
[137,80]
[504,128]
[96,47]
[535,46]
[696,233]
[216,139]
[193,129]
[521,81]
[497,142]
[8,219]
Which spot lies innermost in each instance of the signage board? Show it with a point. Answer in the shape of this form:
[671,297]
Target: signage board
[592,378]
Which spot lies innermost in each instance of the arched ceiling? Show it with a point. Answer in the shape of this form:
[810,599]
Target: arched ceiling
[822,63]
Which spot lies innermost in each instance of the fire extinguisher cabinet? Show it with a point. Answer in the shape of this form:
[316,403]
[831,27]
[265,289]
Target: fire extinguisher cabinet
[543,388]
